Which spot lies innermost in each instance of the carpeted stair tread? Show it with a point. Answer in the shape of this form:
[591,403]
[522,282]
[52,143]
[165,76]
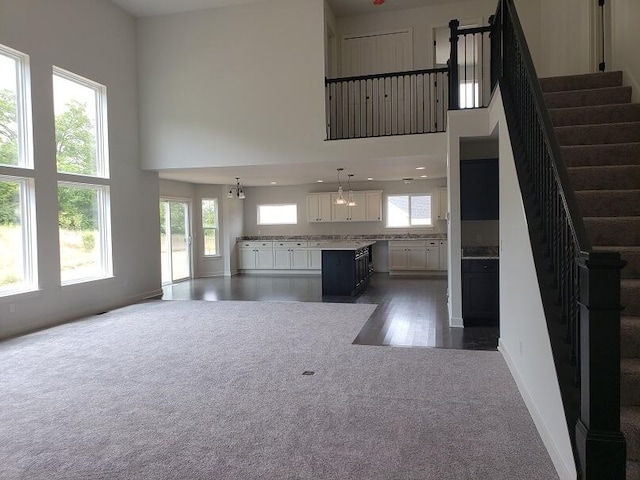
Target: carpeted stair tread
[609,154]
[630,337]
[624,132]
[630,426]
[630,296]
[609,203]
[580,82]
[630,381]
[607,177]
[598,114]
[613,231]
[580,98]
[630,254]
[633,470]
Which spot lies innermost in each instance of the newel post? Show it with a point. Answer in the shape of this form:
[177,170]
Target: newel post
[600,445]
[454,82]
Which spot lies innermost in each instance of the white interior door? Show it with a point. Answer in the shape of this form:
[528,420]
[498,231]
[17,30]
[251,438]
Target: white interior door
[377,53]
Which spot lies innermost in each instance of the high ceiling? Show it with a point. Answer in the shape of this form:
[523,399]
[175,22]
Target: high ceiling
[146,8]
[387,169]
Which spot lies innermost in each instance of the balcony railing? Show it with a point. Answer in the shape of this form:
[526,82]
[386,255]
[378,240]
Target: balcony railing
[398,103]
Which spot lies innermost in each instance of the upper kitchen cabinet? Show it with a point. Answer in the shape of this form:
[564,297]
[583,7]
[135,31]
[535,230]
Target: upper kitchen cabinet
[319,207]
[443,202]
[479,189]
[367,208]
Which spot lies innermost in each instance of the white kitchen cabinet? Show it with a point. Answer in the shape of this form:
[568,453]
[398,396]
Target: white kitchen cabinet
[433,255]
[444,255]
[314,255]
[374,206]
[290,256]
[344,213]
[256,256]
[443,202]
[407,255]
[319,207]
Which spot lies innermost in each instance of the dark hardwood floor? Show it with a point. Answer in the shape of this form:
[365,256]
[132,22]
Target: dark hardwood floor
[412,311]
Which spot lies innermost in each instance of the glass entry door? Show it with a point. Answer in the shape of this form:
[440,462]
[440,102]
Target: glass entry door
[175,240]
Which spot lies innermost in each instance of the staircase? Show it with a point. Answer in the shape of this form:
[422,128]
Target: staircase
[598,129]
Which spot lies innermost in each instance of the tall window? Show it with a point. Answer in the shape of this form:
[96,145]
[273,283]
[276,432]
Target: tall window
[210,226]
[409,211]
[18,271]
[83,177]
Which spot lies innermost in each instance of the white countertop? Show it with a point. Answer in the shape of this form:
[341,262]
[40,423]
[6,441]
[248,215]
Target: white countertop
[344,245]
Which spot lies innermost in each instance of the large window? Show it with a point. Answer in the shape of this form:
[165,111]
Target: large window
[210,226]
[18,271]
[278,214]
[409,211]
[83,177]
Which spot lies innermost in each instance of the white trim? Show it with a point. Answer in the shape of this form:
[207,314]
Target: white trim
[564,471]
[456,322]
[101,126]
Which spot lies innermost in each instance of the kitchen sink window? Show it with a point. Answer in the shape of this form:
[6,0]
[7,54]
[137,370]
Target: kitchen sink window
[284,214]
[409,211]
[210,226]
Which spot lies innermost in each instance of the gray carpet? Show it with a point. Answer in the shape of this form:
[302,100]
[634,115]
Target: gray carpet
[214,390]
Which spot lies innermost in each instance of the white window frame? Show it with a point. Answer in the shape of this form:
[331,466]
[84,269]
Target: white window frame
[100,181]
[102,132]
[293,222]
[215,228]
[23,174]
[409,196]
[23,103]
[28,234]
[104,236]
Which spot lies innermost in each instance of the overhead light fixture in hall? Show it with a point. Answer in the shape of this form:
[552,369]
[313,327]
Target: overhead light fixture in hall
[420,168]
[340,200]
[237,191]
[351,202]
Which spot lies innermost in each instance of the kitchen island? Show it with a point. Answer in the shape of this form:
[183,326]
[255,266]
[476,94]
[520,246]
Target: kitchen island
[346,267]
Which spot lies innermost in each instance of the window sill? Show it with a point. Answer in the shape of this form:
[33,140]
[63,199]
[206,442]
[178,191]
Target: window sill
[19,295]
[82,281]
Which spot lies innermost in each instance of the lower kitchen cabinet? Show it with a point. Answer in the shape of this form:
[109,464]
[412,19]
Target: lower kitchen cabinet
[290,256]
[480,298]
[256,256]
[415,255]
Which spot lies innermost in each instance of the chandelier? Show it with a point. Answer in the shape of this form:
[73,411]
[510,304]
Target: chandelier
[237,191]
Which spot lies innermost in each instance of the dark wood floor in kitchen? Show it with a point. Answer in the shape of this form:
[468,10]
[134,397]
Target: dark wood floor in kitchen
[412,311]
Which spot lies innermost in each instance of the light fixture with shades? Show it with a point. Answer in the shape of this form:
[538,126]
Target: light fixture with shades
[237,191]
[351,202]
[340,200]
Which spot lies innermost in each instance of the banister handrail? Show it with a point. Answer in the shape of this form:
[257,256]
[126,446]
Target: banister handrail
[472,30]
[405,73]
[560,170]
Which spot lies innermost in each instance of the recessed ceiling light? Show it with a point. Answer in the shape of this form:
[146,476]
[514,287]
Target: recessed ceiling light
[420,168]
[424,176]
[370,178]
[274,183]
[320,181]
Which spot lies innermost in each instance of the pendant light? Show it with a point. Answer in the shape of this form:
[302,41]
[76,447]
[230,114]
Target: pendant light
[340,200]
[237,191]
[351,202]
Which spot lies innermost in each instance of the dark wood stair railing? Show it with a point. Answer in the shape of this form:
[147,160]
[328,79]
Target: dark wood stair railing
[580,287]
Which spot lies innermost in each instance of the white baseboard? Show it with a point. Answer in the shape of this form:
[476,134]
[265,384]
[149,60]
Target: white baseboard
[456,322]
[280,272]
[633,83]
[564,471]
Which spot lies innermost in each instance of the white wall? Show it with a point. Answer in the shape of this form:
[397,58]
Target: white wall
[95,39]
[298,195]
[422,21]
[625,41]
[524,339]
[244,85]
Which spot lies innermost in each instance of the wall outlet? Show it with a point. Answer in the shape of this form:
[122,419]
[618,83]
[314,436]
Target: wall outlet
[12,308]
[479,239]
[521,348]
